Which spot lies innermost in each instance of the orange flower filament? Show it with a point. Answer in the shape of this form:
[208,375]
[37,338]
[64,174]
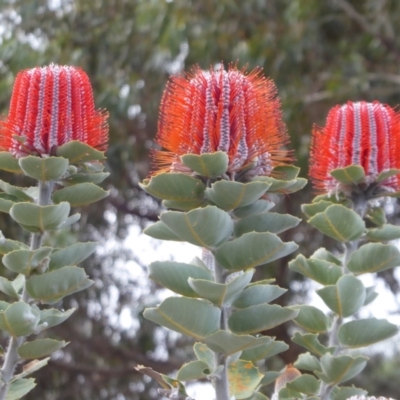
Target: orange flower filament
[51,106]
[228,111]
[361,133]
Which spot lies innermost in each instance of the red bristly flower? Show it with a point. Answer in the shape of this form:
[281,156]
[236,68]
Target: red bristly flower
[51,106]
[361,133]
[220,110]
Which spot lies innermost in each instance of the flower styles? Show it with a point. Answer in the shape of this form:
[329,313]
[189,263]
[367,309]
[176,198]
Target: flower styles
[51,106]
[356,133]
[219,110]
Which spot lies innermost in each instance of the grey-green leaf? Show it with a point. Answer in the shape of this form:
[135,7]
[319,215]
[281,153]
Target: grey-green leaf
[44,169]
[71,255]
[253,249]
[210,165]
[160,231]
[35,218]
[364,332]
[205,227]
[174,276]
[80,194]
[384,233]
[339,223]
[346,297]
[221,293]
[52,286]
[259,318]
[321,271]
[374,257]
[311,319]
[39,348]
[258,294]
[19,319]
[266,222]
[192,317]
[338,369]
[229,195]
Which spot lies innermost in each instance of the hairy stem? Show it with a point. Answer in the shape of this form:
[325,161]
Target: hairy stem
[11,358]
[360,207]
[221,383]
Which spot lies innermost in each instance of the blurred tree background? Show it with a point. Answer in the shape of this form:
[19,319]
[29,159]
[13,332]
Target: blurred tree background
[318,52]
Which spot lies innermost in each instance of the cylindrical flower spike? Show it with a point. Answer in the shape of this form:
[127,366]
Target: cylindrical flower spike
[51,106]
[219,110]
[360,133]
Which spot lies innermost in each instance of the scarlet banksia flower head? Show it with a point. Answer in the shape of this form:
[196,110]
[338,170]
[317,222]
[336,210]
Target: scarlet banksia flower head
[51,106]
[218,110]
[360,133]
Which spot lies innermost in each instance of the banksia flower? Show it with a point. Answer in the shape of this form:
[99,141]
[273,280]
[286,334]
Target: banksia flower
[228,111]
[51,106]
[361,133]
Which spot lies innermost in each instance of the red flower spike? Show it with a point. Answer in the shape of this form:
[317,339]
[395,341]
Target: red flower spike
[228,111]
[51,106]
[364,134]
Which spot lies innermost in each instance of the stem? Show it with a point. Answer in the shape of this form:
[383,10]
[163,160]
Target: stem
[221,383]
[11,358]
[359,206]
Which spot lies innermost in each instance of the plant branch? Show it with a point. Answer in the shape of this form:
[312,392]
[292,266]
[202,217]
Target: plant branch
[12,358]
[221,382]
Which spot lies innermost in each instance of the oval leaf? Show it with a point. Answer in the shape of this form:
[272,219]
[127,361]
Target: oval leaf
[243,378]
[205,227]
[210,165]
[258,294]
[340,369]
[160,231]
[374,257]
[80,194]
[259,207]
[52,286]
[71,255]
[384,233]
[311,319]
[266,350]
[78,153]
[193,370]
[52,317]
[351,175]
[219,293]
[346,297]
[321,271]
[229,195]
[19,319]
[177,187]
[339,223]
[228,343]
[364,332]
[267,222]
[310,342]
[39,348]
[9,163]
[174,276]
[259,318]
[253,249]
[44,169]
[35,218]
[24,261]
[192,317]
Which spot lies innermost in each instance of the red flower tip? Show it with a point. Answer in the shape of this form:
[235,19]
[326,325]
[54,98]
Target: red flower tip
[228,111]
[364,134]
[51,106]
